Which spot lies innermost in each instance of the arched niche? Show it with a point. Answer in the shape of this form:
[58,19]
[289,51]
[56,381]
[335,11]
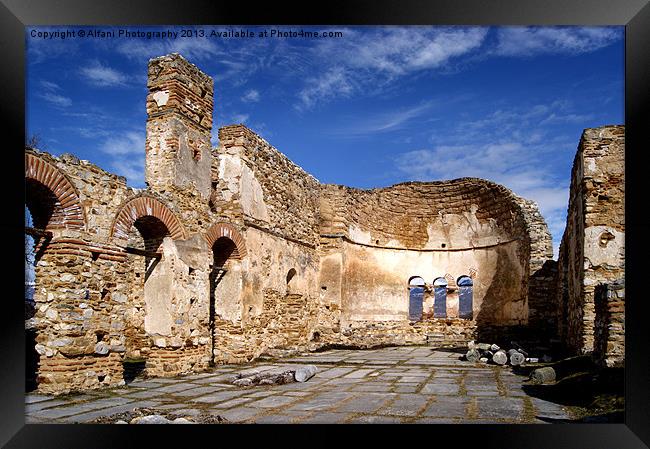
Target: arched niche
[465,297]
[440,297]
[416,297]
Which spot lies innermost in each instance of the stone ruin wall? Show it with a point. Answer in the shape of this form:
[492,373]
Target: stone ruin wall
[542,280]
[92,309]
[312,265]
[374,241]
[79,327]
[609,325]
[592,252]
[276,203]
[179,124]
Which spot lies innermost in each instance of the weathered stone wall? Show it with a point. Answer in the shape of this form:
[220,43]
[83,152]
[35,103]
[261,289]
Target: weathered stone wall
[593,246]
[265,311]
[233,252]
[96,304]
[451,332]
[542,274]
[609,326]
[378,239]
[271,192]
[270,295]
[179,123]
[80,290]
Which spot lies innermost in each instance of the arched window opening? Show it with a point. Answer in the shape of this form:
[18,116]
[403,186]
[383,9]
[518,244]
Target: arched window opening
[224,251]
[440,298]
[151,292]
[465,294]
[41,203]
[41,206]
[148,239]
[416,298]
[291,275]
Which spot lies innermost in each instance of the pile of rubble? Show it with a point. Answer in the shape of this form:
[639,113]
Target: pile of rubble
[492,353]
[142,415]
[254,378]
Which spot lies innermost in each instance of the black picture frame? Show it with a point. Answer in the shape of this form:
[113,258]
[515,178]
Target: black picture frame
[15,15]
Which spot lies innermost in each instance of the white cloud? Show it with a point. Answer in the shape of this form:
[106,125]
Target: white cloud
[48,85]
[50,94]
[127,155]
[56,99]
[240,118]
[399,50]
[103,76]
[40,50]
[529,41]
[131,142]
[566,118]
[197,49]
[372,58]
[132,169]
[385,122]
[512,146]
[395,120]
[333,83]
[251,96]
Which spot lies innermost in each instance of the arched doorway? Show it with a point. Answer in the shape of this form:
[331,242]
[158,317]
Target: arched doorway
[416,298]
[224,285]
[228,250]
[465,295]
[51,203]
[151,292]
[147,228]
[440,298]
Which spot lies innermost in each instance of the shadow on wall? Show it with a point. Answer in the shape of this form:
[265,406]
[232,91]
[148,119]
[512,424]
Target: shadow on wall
[542,301]
[502,305]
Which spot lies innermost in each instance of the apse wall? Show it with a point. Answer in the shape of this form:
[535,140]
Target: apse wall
[467,226]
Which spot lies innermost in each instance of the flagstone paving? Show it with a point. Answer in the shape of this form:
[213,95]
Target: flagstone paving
[388,385]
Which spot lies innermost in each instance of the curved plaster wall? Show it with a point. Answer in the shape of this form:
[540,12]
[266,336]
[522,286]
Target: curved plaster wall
[466,226]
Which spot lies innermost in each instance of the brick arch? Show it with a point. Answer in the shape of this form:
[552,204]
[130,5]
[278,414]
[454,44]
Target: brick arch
[67,212]
[146,206]
[227,230]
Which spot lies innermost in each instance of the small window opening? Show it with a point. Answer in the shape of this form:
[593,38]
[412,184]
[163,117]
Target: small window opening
[290,275]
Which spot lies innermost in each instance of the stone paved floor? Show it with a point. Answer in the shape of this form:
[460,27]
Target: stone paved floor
[389,385]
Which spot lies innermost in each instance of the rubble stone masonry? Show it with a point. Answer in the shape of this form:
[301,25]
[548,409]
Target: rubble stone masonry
[234,251]
[592,251]
[609,332]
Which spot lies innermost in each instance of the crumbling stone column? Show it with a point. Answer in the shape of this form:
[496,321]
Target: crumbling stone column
[609,332]
[179,125]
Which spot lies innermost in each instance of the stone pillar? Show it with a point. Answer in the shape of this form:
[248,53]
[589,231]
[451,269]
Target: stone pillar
[179,125]
[609,326]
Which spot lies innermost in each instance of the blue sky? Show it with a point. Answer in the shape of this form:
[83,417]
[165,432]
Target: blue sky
[375,107]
